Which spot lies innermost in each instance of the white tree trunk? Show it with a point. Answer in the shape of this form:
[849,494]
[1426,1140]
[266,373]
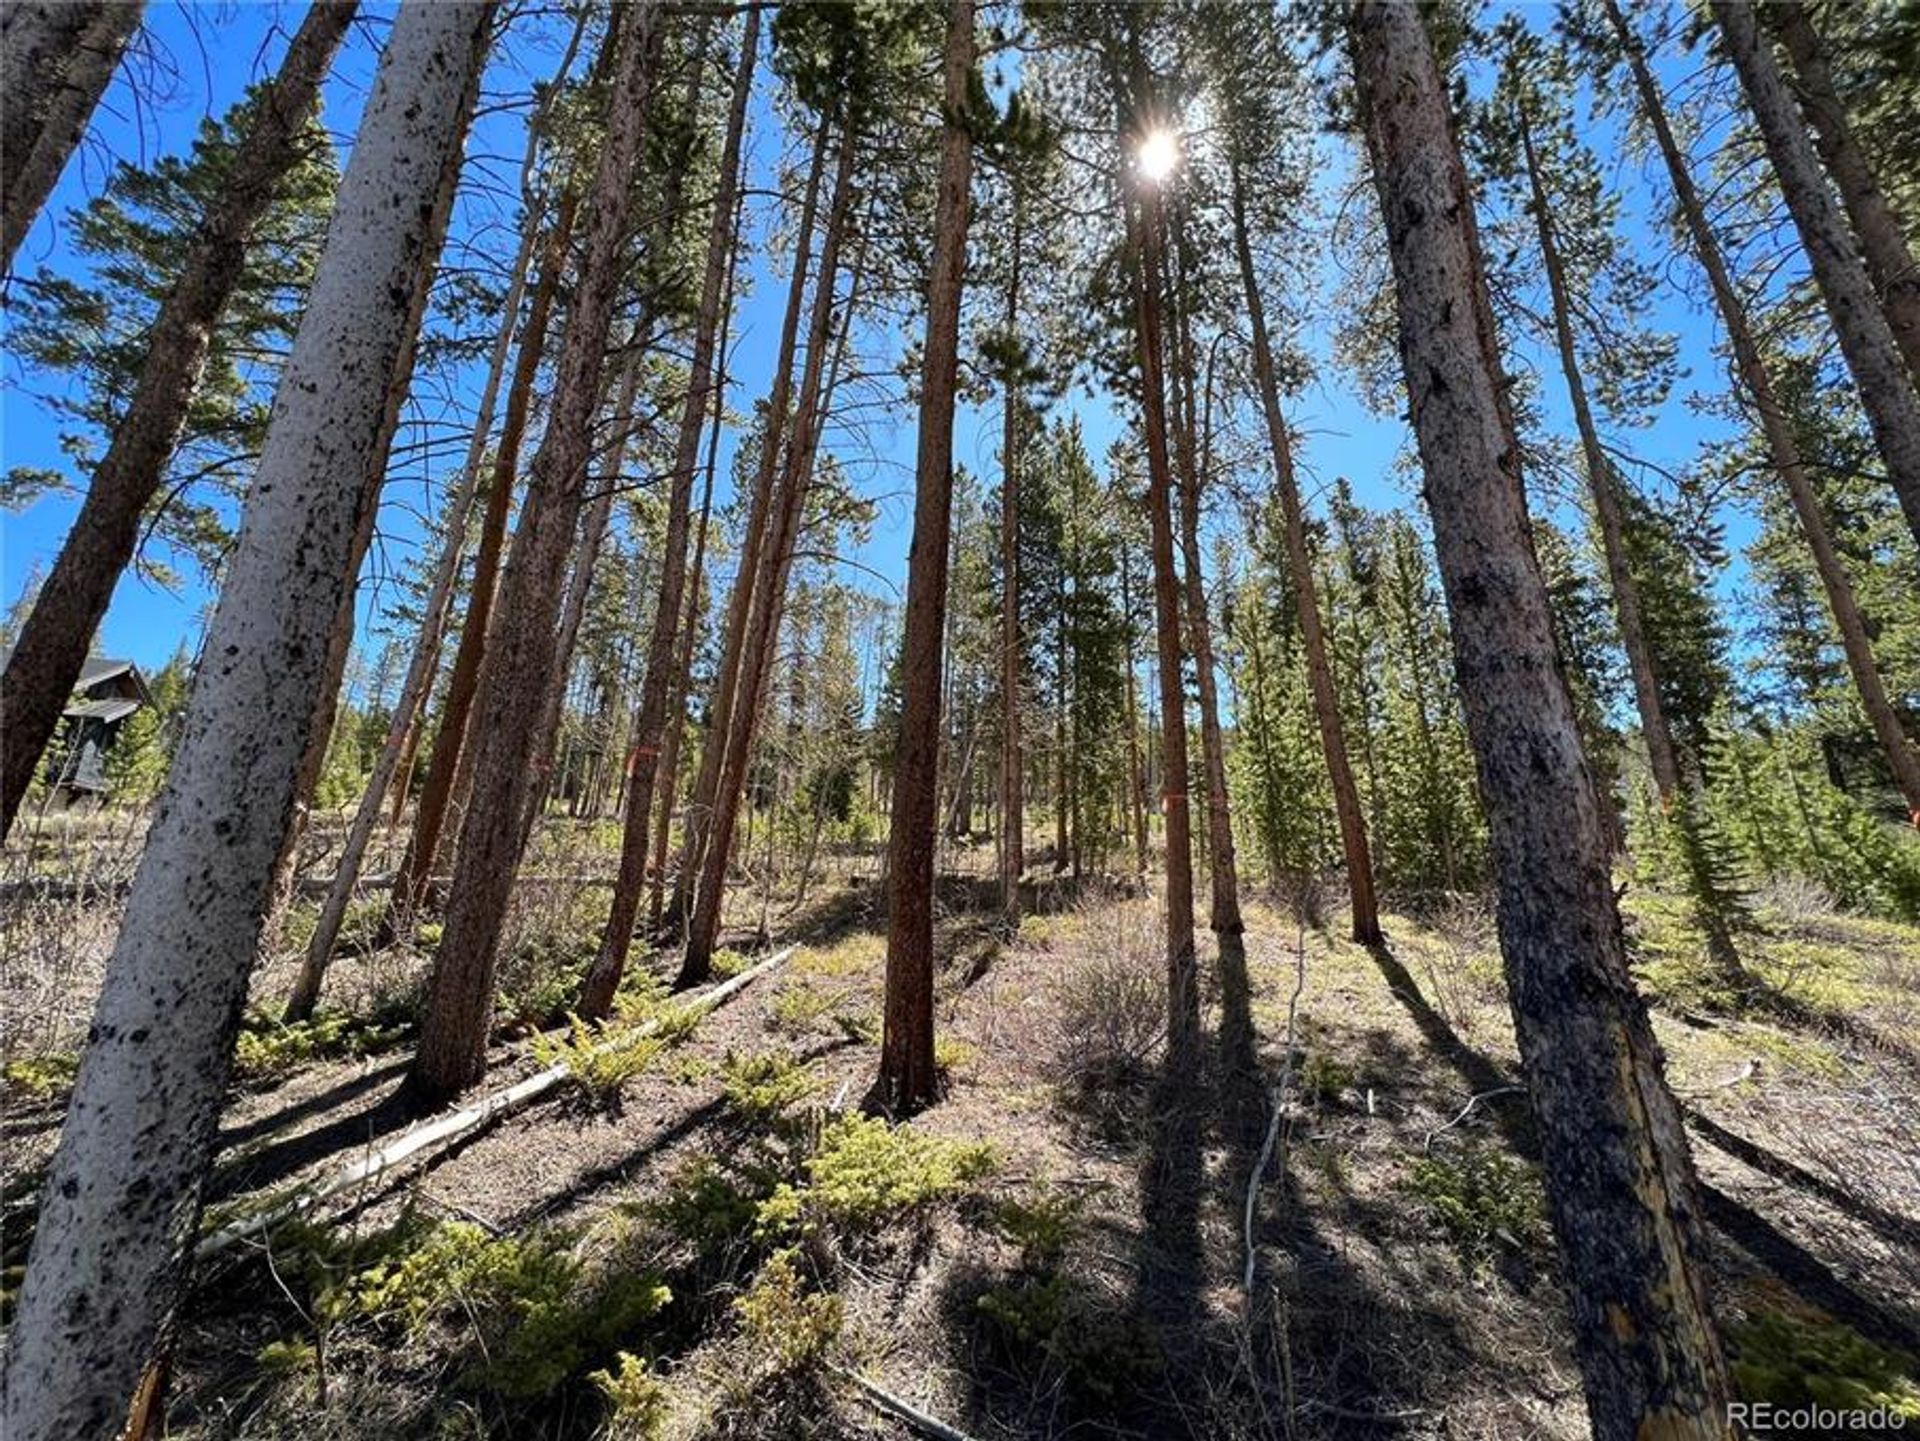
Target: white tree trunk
[123,1197]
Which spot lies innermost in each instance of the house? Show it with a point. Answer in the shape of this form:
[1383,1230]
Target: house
[109,691]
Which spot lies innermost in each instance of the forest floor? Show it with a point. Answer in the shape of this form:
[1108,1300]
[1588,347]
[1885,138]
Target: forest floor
[1059,1247]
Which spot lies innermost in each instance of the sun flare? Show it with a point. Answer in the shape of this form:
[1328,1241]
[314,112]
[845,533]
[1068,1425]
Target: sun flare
[1159,155]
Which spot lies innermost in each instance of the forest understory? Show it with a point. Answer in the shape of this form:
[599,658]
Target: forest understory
[705,1237]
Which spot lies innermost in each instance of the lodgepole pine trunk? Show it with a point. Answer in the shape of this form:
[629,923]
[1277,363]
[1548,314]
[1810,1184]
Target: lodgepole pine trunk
[1354,846]
[1222,865]
[908,1077]
[45,663]
[766,590]
[603,977]
[690,631]
[1136,773]
[1883,244]
[58,56]
[391,772]
[1880,373]
[415,872]
[1675,789]
[1618,1175]
[122,1199]
[1782,448]
[1183,992]
[1013,817]
[700,811]
[453,1036]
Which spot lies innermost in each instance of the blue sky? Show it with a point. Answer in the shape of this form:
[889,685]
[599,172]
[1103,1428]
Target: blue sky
[208,53]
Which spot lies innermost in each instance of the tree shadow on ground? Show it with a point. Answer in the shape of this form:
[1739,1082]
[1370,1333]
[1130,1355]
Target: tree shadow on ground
[1813,1279]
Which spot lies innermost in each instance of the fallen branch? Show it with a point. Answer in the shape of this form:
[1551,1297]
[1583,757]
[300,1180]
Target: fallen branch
[883,1400]
[463,1121]
[1467,1110]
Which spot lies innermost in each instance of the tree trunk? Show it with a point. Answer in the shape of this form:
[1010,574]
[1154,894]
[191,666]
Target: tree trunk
[1222,867]
[690,631]
[1354,845]
[1883,244]
[768,589]
[1013,818]
[1618,1176]
[59,57]
[453,1036]
[908,1078]
[1675,789]
[1183,992]
[1782,449]
[1136,774]
[392,770]
[46,661]
[603,978]
[122,1199]
[700,813]
[463,683]
[1886,384]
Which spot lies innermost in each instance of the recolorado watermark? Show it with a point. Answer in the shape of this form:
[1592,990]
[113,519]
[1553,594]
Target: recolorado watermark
[1760,1418]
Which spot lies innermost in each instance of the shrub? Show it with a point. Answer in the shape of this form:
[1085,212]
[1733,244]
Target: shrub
[599,1059]
[1099,1350]
[537,1316]
[637,1400]
[1110,1015]
[763,1087]
[41,1078]
[799,1007]
[866,1174]
[728,963]
[1795,1361]
[267,1048]
[707,1205]
[1480,1198]
[1041,1223]
[786,1328]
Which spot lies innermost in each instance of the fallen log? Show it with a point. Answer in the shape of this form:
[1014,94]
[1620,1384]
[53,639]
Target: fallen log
[902,1410]
[462,1121]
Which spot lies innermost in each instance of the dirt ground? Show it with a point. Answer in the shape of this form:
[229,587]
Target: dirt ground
[1402,1277]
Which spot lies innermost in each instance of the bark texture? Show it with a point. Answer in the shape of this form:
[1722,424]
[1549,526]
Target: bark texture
[603,977]
[46,661]
[908,1077]
[1883,244]
[58,58]
[453,1037]
[121,1202]
[1183,991]
[1618,1176]
[1306,600]
[1783,450]
[1886,385]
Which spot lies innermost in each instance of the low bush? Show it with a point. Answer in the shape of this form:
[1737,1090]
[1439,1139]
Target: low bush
[866,1174]
[1481,1198]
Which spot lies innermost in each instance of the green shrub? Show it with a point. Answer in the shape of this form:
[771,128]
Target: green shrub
[637,1400]
[1794,1361]
[268,1048]
[707,1205]
[866,1174]
[763,1087]
[786,1328]
[799,1007]
[599,1059]
[1100,1351]
[728,963]
[1481,1198]
[537,1316]
[40,1078]
[1042,1223]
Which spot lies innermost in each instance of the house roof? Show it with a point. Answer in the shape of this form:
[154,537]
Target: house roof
[118,708]
[99,667]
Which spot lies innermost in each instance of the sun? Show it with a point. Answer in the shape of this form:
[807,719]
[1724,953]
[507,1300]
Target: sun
[1159,155]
